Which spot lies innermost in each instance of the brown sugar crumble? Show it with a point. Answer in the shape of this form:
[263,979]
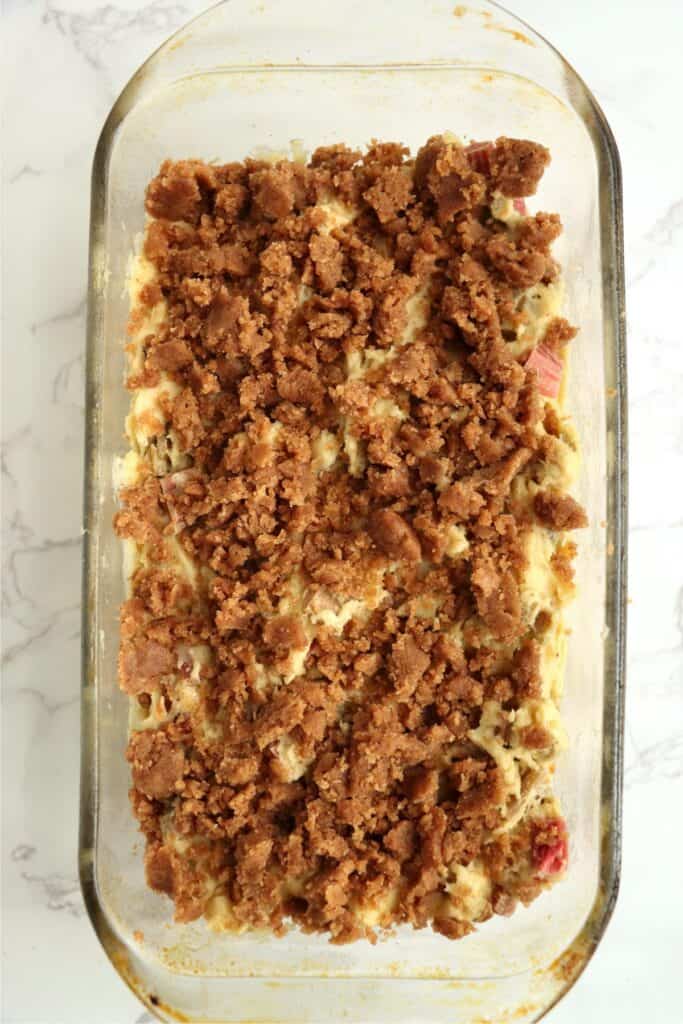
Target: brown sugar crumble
[343,482]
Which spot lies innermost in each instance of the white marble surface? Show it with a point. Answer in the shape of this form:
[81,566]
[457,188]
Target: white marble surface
[65,61]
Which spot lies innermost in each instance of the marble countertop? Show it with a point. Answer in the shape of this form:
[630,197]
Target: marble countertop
[65,62]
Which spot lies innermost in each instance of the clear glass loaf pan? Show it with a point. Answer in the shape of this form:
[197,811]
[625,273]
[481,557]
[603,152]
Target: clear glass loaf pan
[250,74]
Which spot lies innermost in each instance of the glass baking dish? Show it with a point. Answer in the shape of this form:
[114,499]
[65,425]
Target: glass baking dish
[251,74]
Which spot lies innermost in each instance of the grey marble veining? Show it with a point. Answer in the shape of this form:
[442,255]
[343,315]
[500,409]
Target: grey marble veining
[65,63]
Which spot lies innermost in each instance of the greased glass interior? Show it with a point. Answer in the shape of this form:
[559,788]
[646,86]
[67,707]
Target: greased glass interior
[208,94]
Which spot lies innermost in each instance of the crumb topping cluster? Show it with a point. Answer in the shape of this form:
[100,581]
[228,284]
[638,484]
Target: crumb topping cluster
[345,509]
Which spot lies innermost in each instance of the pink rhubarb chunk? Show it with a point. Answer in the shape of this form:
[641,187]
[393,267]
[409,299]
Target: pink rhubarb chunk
[552,858]
[520,206]
[549,370]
